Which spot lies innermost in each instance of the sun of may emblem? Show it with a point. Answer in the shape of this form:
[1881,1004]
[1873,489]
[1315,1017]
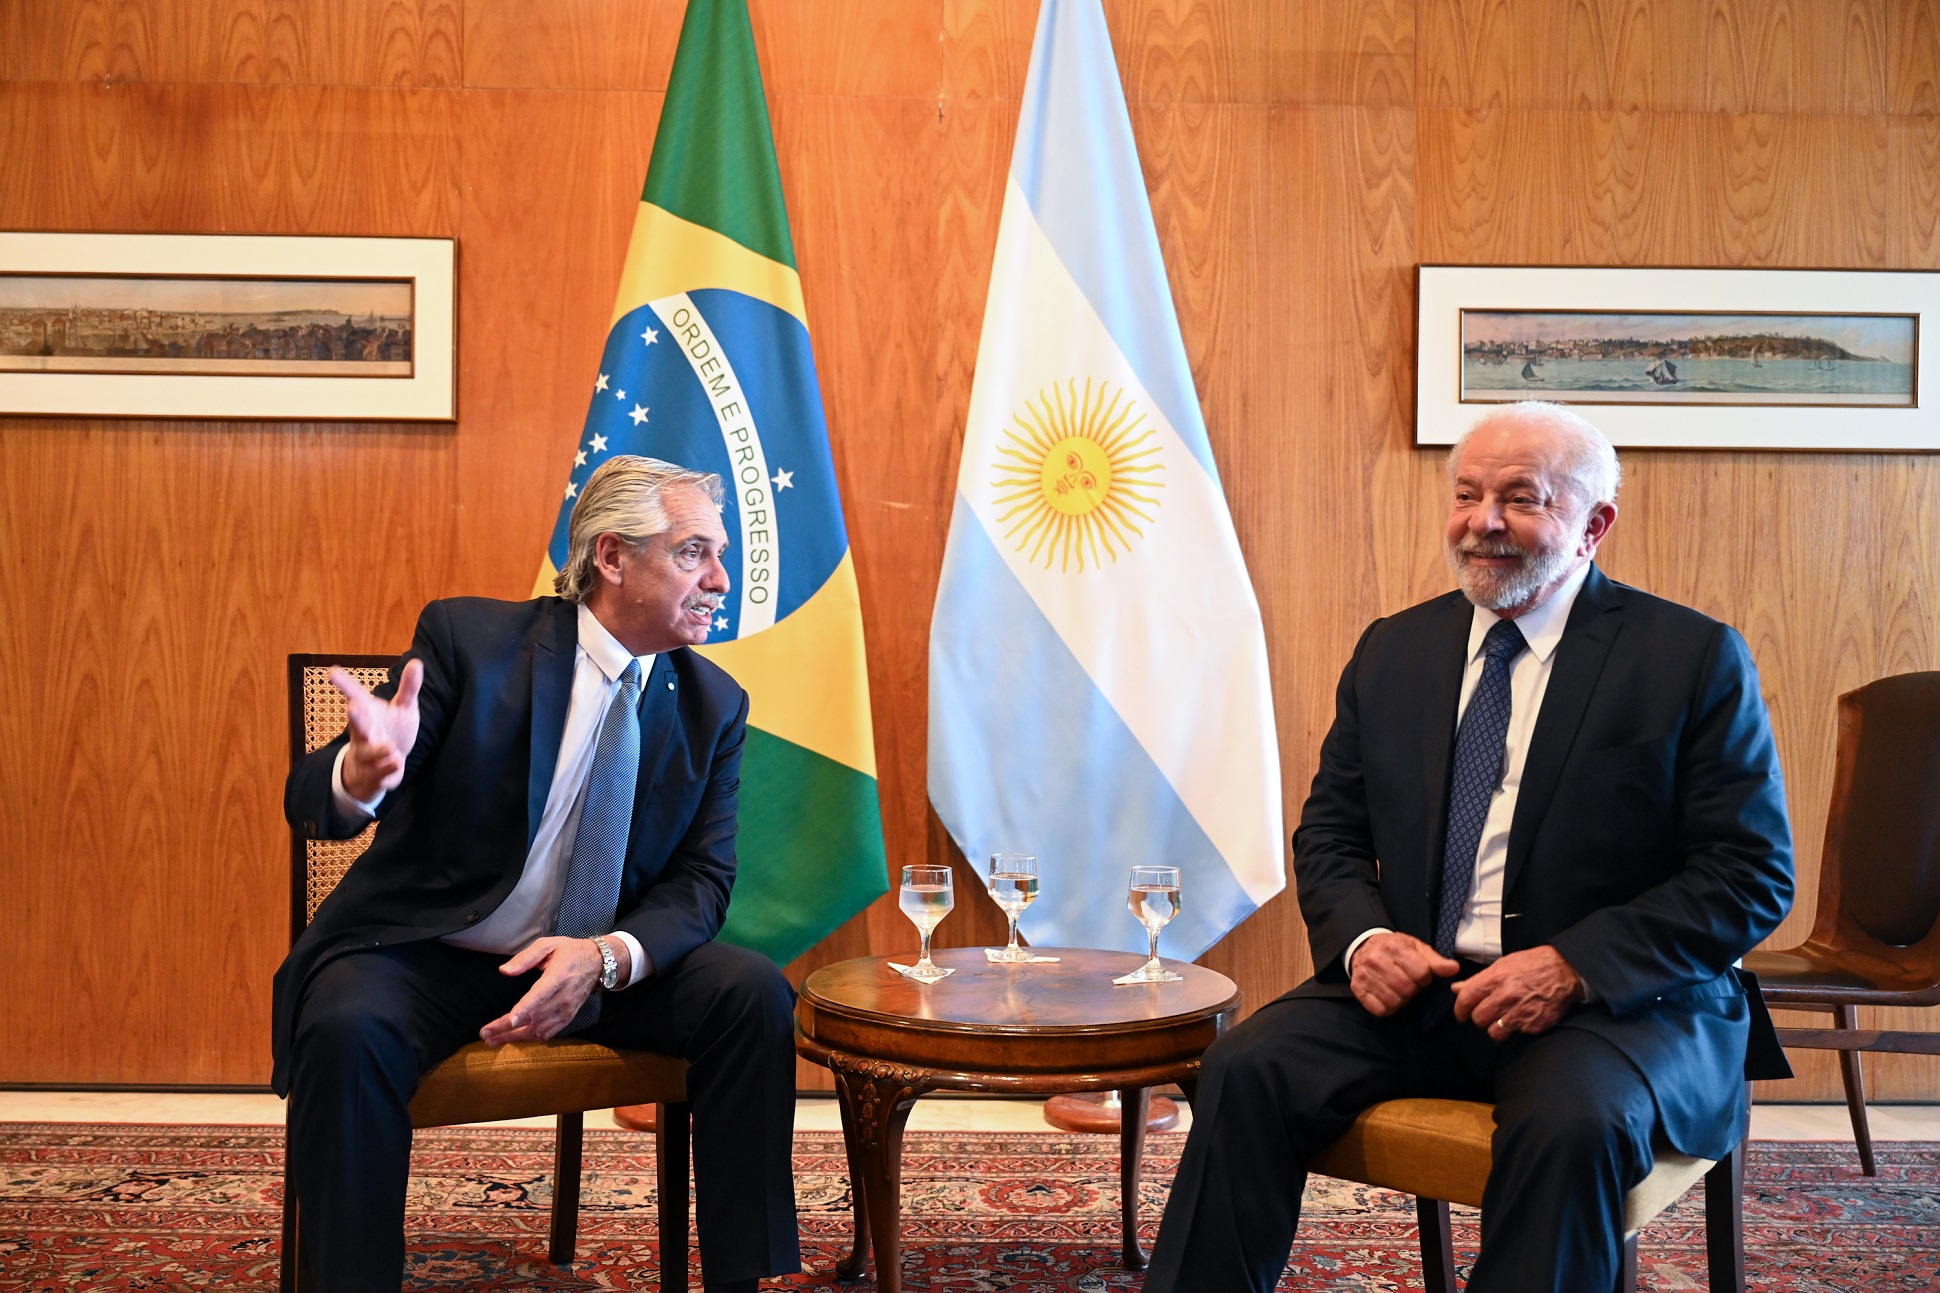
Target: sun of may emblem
[1076,476]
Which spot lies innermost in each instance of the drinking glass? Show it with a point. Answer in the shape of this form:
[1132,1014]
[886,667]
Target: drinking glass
[1154,899]
[1013,885]
[926,898]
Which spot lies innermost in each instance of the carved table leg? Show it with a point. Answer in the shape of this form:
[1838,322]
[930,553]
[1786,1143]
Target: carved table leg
[1131,1156]
[877,1097]
[853,1266]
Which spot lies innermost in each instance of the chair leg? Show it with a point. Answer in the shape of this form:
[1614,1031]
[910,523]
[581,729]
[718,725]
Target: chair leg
[670,1154]
[1437,1245]
[290,1277]
[1627,1265]
[1862,1134]
[566,1147]
[1724,1222]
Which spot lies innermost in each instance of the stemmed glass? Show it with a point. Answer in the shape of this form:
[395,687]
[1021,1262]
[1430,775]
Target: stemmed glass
[1154,899]
[1013,885]
[927,896]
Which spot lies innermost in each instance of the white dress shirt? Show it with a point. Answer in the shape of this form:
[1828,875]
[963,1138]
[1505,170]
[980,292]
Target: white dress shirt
[1479,936]
[529,910]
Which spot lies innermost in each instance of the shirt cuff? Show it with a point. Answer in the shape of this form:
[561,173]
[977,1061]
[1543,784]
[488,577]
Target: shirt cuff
[347,805]
[1347,957]
[641,966]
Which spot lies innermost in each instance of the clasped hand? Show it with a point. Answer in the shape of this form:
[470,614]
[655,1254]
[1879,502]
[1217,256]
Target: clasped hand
[382,732]
[570,974]
[1522,992]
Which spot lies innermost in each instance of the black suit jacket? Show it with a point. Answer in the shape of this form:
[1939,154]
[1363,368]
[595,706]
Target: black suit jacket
[1650,843]
[452,837]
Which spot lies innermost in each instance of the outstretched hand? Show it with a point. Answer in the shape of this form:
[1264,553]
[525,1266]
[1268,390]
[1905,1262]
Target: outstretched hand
[1389,969]
[382,732]
[570,973]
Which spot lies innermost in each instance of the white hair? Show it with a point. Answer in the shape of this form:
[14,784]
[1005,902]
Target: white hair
[623,498]
[1589,460]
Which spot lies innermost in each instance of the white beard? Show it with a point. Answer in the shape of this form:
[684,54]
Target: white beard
[1500,590]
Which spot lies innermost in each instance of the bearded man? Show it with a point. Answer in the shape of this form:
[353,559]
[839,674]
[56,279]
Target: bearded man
[1547,821]
[555,784]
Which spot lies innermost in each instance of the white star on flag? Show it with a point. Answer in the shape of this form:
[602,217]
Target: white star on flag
[720,621]
[638,415]
[784,480]
[600,384]
[571,489]
[619,395]
[599,444]
[650,336]
[579,459]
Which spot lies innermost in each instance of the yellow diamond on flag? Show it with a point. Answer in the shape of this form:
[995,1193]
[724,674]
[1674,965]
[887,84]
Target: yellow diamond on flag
[1076,475]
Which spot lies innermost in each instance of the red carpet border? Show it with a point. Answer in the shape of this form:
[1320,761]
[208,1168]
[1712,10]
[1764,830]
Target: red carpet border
[111,1208]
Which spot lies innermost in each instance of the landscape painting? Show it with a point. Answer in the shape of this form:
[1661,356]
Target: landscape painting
[206,326]
[1590,357]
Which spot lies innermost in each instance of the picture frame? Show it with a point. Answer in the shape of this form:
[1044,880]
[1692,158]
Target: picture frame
[1686,358]
[263,327]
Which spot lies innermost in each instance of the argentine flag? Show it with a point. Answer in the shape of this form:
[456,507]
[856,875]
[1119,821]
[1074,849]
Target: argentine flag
[1098,677]
[708,364]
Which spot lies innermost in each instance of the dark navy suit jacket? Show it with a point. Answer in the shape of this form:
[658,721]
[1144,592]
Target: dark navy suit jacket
[1650,843]
[452,837]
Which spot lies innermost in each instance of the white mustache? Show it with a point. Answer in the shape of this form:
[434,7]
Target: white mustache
[1471,546]
[709,602]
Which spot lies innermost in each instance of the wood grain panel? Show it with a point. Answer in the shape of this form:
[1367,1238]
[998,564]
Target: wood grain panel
[344,42]
[552,189]
[1776,56]
[571,44]
[190,557]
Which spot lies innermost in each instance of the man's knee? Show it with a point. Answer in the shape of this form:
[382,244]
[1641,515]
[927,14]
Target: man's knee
[1584,1128]
[744,986]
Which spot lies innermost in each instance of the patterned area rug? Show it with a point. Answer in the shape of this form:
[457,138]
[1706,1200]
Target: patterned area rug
[113,1208]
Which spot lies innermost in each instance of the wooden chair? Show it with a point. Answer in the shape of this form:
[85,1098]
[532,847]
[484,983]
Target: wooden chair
[1875,938]
[1438,1151]
[563,1078]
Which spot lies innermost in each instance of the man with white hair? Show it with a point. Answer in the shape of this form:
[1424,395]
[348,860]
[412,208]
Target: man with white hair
[1546,822]
[555,784]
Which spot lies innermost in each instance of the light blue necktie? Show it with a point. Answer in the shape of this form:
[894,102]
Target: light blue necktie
[1480,744]
[592,893]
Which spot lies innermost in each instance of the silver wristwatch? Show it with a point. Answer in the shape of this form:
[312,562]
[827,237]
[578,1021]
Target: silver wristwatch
[609,967]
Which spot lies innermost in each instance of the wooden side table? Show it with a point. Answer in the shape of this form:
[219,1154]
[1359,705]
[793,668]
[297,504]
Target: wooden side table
[1034,1029]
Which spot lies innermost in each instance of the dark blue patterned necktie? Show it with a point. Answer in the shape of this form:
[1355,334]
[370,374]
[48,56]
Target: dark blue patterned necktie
[1480,743]
[592,893]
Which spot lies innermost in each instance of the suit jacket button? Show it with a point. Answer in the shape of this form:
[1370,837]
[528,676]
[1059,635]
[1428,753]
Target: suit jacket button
[471,918]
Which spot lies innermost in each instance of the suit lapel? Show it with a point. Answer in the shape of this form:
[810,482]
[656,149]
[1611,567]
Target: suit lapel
[1594,622]
[1446,652]
[552,692]
[657,709]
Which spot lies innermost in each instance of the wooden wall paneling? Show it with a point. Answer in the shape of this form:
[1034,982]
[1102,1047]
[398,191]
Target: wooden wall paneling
[552,183]
[861,176]
[190,557]
[1818,56]
[348,42]
[1327,51]
[571,44]
[1913,53]
[1199,51]
[1309,481]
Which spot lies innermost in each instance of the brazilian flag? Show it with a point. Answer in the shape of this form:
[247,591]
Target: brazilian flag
[708,364]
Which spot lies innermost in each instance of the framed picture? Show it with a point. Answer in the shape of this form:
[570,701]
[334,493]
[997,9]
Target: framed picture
[1686,358]
[227,326]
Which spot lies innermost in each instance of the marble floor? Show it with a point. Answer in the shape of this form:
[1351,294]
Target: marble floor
[818,1113]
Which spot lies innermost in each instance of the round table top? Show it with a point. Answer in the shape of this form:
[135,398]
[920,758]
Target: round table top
[1065,1015]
